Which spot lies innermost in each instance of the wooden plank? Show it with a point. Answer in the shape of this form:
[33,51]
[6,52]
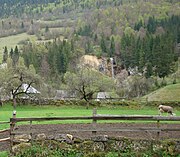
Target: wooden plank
[171,129]
[4,122]
[110,130]
[94,121]
[104,130]
[49,118]
[21,132]
[5,139]
[5,130]
[137,117]
[91,130]
[103,117]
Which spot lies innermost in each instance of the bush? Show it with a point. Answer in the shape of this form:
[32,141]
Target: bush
[43,151]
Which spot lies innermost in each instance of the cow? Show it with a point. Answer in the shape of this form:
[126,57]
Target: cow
[167,109]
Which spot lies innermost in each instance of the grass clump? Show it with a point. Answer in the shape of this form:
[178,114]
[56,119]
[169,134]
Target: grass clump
[4,154]
[42,151]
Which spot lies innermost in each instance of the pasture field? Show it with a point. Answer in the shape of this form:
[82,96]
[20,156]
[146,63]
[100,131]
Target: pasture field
[13,40]
[167,93]
[54,111]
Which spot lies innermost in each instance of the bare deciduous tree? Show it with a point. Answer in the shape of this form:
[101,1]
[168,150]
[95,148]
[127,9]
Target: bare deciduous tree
[87,81]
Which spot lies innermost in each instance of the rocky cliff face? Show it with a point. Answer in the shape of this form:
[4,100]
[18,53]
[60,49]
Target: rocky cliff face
[102,64]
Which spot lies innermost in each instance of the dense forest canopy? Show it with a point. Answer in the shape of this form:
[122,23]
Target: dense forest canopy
[138,34]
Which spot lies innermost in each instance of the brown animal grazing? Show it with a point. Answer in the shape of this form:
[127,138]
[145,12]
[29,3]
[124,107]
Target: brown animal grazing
[167,109]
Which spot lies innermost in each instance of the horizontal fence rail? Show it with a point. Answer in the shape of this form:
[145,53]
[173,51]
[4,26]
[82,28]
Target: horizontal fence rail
[7,122]
[5,139]
[4,130]
[102,117]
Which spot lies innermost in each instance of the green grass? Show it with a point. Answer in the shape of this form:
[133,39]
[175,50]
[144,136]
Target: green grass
[13,40]
[4,154]
[167,93]
[54,111]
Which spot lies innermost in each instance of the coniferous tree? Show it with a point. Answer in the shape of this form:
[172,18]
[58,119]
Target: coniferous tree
[164,55]
[112,47]
[141,58]
[47,29]
[22,25]
[15,56]
[5,55]
[103,44]
[151,26]
[149,70]
[88,47]
[11,53]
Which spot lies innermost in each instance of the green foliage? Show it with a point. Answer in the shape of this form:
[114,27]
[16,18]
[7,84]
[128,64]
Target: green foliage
[52,58]
[48,149]
[103,44]
[95,154]
[4,154]
[169,93]
[41,151]
[5,55]
[137,33]
[85,31]
[85,82]
[112,154]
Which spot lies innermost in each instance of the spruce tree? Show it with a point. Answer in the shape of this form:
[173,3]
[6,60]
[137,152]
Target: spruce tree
[112,47]
[103,44]
[5,55]
[15,56]
[11,53]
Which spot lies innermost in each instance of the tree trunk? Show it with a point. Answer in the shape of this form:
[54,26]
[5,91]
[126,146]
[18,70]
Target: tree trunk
[14,102]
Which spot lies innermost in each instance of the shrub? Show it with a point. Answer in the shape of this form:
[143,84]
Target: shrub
[43,151]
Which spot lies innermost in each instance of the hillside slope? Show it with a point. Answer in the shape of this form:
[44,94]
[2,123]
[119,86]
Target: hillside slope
[168,93]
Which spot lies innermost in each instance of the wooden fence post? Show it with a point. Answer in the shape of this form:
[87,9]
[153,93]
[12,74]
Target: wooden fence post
[31,130]
[94,121]
[12,126]
[158,126]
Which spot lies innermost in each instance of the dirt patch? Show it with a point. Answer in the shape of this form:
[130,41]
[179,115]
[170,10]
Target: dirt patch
[92,61]
[52,129]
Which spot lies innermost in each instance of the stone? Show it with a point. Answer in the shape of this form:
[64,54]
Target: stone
[64,138]
[50,137]
[22,138]
[77,140]
[60,137]
[98,146]
[41,137]
[20,147]
[102,138]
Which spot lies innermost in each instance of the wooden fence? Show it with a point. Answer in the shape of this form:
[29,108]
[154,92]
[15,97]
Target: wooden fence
[4,130]
[97,117]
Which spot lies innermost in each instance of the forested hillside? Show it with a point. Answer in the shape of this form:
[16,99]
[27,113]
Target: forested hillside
[142,36]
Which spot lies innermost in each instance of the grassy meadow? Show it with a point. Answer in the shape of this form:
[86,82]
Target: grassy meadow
[54,111]
[12,41]
[167,93]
